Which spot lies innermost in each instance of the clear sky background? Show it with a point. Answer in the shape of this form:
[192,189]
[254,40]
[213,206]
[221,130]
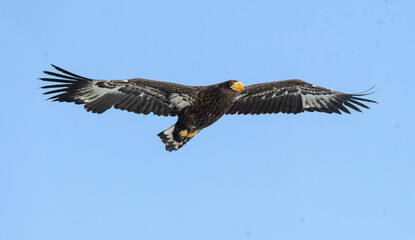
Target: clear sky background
[69,174]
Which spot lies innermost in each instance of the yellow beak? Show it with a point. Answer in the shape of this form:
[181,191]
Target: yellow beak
[237,86]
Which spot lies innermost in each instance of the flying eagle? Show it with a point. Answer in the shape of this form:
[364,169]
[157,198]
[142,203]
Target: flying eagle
[197,107]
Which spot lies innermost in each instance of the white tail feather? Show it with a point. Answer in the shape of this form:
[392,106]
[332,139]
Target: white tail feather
[167,138]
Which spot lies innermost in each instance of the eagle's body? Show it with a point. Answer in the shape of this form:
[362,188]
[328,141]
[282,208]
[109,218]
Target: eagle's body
[197,107]
[211,103]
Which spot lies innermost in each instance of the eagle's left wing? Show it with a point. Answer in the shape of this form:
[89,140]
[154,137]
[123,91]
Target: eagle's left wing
[136,95]
[294,96]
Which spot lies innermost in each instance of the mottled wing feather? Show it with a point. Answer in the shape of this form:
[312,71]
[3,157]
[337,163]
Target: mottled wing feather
[295,96]
[134,95]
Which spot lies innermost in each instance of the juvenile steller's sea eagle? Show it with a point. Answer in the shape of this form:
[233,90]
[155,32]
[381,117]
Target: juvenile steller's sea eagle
[197,107]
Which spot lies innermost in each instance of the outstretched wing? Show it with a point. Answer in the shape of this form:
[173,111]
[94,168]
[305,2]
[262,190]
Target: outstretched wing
[295,96]
[134,95]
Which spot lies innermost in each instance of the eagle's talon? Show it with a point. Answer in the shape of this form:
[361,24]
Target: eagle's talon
[192,134]
[183,133]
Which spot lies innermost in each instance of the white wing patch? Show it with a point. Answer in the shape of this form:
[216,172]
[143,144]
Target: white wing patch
[180,101]
[279,95]
[93,92]
[310,101]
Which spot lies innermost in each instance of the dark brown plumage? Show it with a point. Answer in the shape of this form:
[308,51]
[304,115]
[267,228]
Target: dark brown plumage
[197,107]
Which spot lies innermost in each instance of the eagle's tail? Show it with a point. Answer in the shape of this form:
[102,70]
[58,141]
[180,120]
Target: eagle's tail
[167,138]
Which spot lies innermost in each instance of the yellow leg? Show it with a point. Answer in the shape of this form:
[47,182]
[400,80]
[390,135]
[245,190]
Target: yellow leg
[192,134]
[183,133]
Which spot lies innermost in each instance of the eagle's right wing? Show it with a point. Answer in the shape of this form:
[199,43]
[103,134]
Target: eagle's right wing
[136,95]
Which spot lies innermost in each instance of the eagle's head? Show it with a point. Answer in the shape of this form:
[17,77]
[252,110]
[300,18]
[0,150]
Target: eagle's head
[235,85]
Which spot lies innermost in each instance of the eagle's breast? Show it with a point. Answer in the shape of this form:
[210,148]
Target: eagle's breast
[210,105]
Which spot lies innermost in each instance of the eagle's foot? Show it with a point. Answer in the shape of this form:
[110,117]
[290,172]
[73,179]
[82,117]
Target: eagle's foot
[185,133]
[192,134]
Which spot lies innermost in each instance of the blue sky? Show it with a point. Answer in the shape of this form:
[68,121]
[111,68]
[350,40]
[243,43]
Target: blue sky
[69,174]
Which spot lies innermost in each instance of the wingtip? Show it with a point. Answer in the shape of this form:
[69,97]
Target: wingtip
[367,92]
[56,67]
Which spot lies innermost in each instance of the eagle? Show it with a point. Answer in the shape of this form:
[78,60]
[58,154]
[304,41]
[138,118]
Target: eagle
[197,107]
